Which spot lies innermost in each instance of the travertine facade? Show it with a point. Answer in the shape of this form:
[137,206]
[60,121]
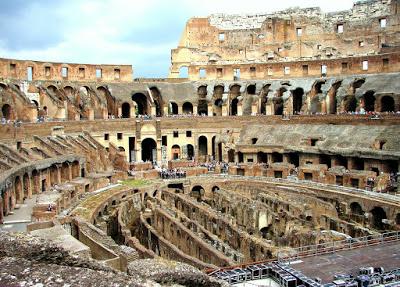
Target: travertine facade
[291,43]
[294,149]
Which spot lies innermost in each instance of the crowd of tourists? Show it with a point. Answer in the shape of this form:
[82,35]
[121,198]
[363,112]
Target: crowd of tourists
[171,173]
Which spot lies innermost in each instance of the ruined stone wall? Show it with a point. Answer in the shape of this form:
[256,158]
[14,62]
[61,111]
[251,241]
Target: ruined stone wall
[49,71]
[257,44]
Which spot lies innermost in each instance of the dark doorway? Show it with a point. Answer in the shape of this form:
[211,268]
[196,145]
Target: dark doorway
[149,150]
[297,100]
[132,156]
[190,151]
[378,214]
[141,103]
[369,101]
[126,110]
[6,111]
[387,104]
[234,107]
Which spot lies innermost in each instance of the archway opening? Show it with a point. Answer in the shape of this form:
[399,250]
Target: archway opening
[278,106]
[369,101]
[158,102]
[350,103]
[262,157]
[6,112]
[356,209]
[378,214]
[277,157]
[141,103]
[387,104]
[234,107]
[203,148]
[175,152]
[297,100]
[126,110]
[187,108]
[251,89]
[266,231]
[197,192]
[173,108]
[190,152]
[184,72]
[398,219]
[149,150]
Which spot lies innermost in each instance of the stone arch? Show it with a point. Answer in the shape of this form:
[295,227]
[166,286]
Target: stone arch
[297,95]
[187,108]
[173,108]
[251,89]
[217,100]
[149,150]
[142,106]
[377,215]
[190,152]
[203,148]
[197,192]
[109,99]
[202,107]
[68,91]
[215,188]
[175,152]
[52,88]
[349,103]
[234,94]
[277,157]
[121,148]
[369,101]
[126,110]
[266,231]
[7,112]
[278,101]
[264,98]
[356,209]
[234,107]
[387,104]
[18,189]
[158,101]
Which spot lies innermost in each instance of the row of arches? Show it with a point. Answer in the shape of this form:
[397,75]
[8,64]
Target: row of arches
[377,216]
[36,181]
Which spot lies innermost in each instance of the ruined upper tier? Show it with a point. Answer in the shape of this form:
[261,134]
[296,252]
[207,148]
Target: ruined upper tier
[271,45]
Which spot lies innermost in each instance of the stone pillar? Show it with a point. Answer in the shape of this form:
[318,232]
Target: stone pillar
[254,108]
[165,108]
[269,158]
[195,109]
[133,111]
[285,158]
[91,115]
[138,150]
[153,110]
[210,109]
[225,110]
[209,148]
[240,108]
[119,112]
[180,110]
[159,157]
[1,208]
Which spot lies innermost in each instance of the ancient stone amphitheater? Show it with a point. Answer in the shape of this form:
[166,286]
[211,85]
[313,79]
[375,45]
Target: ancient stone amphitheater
[275,139]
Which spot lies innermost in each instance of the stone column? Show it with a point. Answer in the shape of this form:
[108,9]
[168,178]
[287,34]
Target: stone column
[195,109]
[180,109]
[210,109]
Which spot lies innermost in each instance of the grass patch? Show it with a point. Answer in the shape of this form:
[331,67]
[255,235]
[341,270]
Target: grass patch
[135,182]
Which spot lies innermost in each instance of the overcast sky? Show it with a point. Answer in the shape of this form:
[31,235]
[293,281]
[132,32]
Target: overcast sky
[140,33]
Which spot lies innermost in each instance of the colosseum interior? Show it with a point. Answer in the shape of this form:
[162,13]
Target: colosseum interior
[273,146]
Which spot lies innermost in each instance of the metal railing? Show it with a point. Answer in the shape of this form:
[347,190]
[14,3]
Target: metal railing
[335,246]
